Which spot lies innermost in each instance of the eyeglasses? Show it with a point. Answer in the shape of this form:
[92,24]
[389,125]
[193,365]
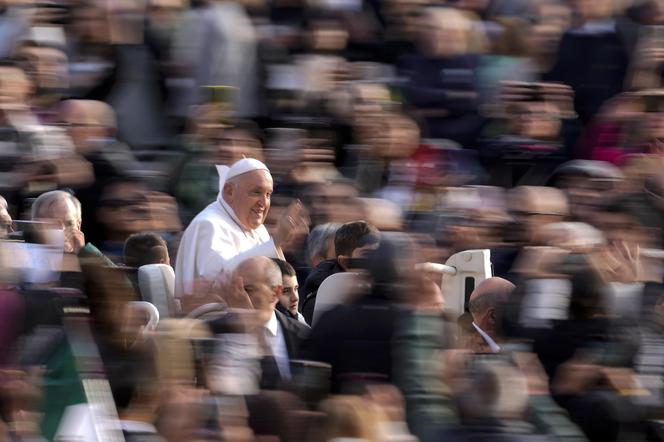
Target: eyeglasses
[122,202]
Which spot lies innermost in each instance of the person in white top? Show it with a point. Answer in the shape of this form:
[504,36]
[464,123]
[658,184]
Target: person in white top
[483,302]
[231,228]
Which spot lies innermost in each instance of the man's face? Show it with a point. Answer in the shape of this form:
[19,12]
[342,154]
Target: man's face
[5,219]
[249,196]
[289,297]
[124,208]
[82,127]
[48,67]
[65,214]
[263,296]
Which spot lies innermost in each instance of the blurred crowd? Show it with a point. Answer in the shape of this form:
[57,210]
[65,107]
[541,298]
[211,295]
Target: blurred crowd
[246,220]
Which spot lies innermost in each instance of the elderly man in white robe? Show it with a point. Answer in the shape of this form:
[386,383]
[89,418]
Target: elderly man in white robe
[231,229]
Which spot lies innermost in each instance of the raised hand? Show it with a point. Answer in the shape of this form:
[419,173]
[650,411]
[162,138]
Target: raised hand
[294,222]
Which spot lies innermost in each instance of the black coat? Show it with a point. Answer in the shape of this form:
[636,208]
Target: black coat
[490,431]
[313,282]
[355,338]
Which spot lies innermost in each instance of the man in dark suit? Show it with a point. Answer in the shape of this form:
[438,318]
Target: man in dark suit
[482,334]
[279,336]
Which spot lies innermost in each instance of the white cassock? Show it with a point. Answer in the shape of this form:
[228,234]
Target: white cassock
[215,240]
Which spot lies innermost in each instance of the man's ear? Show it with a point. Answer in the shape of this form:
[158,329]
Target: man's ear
[228,192]
[491,315]
[343,261]
[278,291]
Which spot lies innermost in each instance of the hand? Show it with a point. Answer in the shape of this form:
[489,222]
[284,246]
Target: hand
[294,221]
[231,291]
[576,375]
[530,366]
[74,240]
[428,297]
[622,263]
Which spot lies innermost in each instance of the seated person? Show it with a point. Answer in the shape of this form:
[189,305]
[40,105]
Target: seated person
[288,300]
[255,288]
[145,248]
[142,249]
[351,241]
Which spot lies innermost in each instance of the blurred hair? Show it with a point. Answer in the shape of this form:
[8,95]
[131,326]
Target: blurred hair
[389,264]
[273,273]
[353,235]
[3,203]
[511,39]
[285,268]
[317,241]
[145,248]
[348,417]
[42,206]
[586,297]
[494,390]
[102,113]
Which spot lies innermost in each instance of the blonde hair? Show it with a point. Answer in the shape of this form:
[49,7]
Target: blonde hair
[468,23]
[349,417]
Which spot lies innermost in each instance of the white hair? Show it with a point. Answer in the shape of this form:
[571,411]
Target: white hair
[44,203]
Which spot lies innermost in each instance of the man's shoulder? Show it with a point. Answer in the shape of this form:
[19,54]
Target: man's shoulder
[291,325]
[213,216]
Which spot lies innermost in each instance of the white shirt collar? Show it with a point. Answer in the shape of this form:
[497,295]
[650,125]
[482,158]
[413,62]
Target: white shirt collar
[137,427]
[492,344]
[272,325]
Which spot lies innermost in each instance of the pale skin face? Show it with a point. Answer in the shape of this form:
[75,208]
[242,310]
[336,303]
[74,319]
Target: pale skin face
[289,297]
[65,214]
[262,294]
[249,196]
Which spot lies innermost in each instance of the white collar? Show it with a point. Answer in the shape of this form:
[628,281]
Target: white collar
[137,427]
[229,210]
[595,27]
[272,325]
[492,344]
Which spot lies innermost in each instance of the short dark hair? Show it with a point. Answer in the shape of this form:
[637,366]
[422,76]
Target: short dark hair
[144,248]
[286,268]
[353,235]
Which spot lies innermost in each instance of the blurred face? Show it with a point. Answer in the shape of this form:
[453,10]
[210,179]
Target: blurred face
[48,67]
[545,34]
[124,209]
[63,212]
[249,196]
[593,9]
[445,34]
[233,144]
[5,219]
[14,86]
[332,203]
[82,127]
[263,295]
[289,297]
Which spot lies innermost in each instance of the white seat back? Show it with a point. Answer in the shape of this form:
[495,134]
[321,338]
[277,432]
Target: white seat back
[470,268]
[150,311]
[157,285]
[336,289]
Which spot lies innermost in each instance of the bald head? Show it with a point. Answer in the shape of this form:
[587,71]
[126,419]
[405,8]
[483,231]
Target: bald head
[87,120]
[260,267]
[489,293]
[261,278]
[485,299]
